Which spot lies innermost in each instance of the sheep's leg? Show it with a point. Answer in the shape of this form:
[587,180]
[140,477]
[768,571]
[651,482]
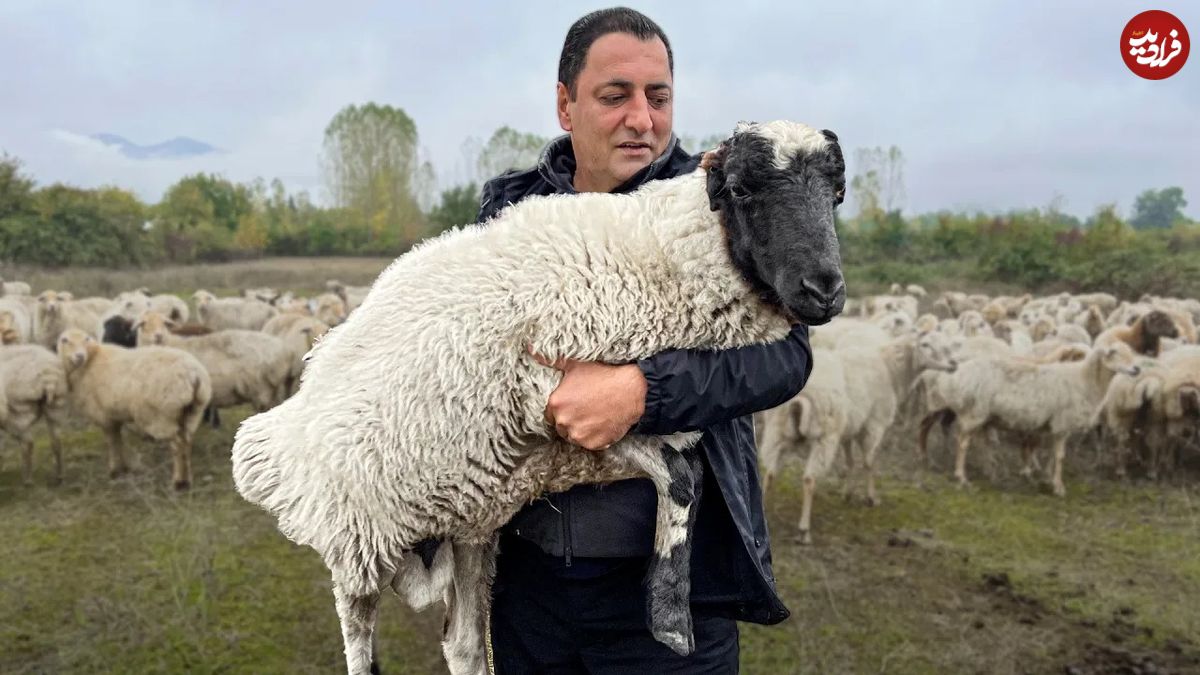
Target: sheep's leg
[117,466]
[56,448]
[1028,456]
[960,457]
[26,458]
[678,478]
[181,457]
[871,442]
[851,466]
[774,437]
[816,466]
[1060,452]
[357,614]
[468,600]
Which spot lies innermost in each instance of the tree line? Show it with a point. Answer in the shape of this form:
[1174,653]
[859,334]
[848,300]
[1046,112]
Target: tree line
[384,198]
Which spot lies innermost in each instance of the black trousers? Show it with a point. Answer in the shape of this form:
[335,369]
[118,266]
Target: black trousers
[589,618]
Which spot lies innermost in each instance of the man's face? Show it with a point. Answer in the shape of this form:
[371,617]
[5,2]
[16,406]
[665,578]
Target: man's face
[621,119]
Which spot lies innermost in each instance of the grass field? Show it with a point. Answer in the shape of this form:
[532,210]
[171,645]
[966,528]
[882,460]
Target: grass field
[127,577]
[101,576]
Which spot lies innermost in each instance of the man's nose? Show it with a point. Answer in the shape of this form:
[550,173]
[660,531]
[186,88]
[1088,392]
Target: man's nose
[637,116]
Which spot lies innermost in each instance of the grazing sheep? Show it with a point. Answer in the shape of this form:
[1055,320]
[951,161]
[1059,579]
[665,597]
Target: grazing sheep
[1069,332]
[423,414]
[844,404]
[244,366]
[1055,399]
[1144,334]
[1092,321]
[353,296]
[159,391]
[16,323]
[8,288]
[33,386]
[95,304]
[298,334]
[329,309]
[1103,302]
[55,314]
[231,313]
[263,294]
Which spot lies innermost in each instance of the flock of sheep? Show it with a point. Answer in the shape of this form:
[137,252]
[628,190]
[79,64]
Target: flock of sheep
[137,361]
[1028,371]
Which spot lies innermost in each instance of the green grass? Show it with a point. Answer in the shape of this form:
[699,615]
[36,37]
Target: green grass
[126,576]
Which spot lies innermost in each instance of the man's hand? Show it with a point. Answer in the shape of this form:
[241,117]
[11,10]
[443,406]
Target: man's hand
[595,404]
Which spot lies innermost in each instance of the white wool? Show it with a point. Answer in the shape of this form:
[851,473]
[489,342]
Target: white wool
[788,139]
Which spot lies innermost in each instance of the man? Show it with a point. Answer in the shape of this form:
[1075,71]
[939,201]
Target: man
[568,594]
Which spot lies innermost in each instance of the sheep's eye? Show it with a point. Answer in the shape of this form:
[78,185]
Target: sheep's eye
[739,192]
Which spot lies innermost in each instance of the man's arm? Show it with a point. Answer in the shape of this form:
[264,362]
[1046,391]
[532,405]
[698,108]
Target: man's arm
[689,389]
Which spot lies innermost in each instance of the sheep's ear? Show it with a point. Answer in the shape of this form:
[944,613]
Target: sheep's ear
[829,135]
[714,163]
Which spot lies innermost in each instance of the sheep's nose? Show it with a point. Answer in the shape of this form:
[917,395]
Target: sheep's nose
[826,298]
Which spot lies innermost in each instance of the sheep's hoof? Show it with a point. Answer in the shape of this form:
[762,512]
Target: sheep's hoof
[873,500]
[804,538]
[680,643]
[670,612]
[118,472]
[1060,491]
[182,485]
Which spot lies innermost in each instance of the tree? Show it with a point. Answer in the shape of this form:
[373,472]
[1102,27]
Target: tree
[371,166]
[509,149]
[459,206]
[16,189]
[1158,209]
[878,184]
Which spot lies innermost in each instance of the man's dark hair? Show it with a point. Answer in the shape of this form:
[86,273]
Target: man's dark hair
[599,23]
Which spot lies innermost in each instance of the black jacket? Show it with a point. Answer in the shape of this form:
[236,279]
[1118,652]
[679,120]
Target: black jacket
[687,390]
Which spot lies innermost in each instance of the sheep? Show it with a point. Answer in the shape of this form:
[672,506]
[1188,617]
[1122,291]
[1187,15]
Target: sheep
[263,294]
[973,324]
[894,323]
[353,296]
[8,288]
[329,308]
[1054,399]
[848,331]
[1092,321]
[298,334]
[422,415]
[843,402]
[1069,332]
[1103,302]
[16,324]
[96,305]
[159,391]
[244,366]
[33,386]
[226,313]
[1144,334]
[926,323]
[54,315]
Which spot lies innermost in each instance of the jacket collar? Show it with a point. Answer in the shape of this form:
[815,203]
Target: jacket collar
[557,165]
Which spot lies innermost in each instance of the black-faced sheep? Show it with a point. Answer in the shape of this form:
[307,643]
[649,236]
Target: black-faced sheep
[422,416]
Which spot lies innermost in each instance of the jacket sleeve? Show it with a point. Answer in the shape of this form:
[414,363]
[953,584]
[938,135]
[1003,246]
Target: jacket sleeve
[690,389]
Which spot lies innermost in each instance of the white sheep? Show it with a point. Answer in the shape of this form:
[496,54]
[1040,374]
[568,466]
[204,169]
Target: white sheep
[33,386]
[1054,400]
[55,314]
[231,313]
[422,415]
[14,288]
[16,323]
[244,366]
[298,333]
[159,391]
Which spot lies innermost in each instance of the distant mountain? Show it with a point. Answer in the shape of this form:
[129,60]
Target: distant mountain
[175,148]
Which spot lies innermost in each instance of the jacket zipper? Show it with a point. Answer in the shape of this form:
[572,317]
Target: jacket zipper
[566,516]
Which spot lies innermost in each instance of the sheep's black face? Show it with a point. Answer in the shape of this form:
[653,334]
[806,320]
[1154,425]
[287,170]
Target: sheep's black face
[777,185]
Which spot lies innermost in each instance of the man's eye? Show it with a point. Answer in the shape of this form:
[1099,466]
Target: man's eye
[612,99]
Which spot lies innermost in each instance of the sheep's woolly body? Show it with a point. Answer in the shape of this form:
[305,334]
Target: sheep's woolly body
[244,366]
[49,324]
[583,277]
[16,323]
[428,417]
[232,313]
[160,391]
[33,385]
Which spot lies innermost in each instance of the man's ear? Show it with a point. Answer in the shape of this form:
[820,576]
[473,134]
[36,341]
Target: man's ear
[564,114]
[713,162]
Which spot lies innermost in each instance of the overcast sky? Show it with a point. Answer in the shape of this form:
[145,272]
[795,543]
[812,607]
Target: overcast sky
[995,105]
